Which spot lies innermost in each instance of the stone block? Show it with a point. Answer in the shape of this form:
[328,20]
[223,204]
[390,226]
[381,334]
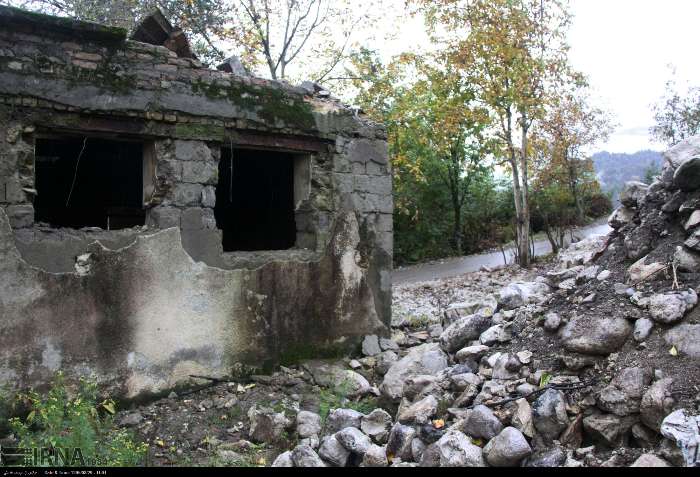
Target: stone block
[209,197]
[20,216]
[187,194]
[200,172]
[163,217]
[198,218]
[192,151]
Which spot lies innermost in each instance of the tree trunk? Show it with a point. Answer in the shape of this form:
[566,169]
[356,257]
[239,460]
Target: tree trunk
[573,186]
[457,230]
[524,215]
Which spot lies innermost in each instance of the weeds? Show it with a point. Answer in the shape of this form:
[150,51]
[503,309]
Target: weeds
[337,397]
[61,423]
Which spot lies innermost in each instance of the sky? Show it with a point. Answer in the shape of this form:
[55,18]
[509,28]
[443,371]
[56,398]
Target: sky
[625,48]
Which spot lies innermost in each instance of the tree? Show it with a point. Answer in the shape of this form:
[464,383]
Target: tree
[437,142]
[676,115]
[514,53]
[569,128]
[651,172]
[277,32]
[267,34]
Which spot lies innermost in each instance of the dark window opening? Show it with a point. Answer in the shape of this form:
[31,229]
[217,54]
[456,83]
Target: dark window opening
[89,182]
[255,200]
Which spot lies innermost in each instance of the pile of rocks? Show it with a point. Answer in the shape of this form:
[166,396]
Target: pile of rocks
[548,370]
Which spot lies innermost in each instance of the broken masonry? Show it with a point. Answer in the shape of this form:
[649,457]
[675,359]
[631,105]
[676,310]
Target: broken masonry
[160,219]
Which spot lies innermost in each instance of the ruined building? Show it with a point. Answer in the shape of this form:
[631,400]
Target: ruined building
[160,219]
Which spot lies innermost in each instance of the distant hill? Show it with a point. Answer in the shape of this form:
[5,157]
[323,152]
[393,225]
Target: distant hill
[614,169]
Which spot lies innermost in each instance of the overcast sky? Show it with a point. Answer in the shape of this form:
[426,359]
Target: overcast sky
[625,47]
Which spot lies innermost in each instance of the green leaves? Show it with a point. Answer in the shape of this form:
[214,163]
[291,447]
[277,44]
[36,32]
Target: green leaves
[545,379]
[63,420]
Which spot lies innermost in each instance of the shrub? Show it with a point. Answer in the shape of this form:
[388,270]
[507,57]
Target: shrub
[598,205]
[60,422]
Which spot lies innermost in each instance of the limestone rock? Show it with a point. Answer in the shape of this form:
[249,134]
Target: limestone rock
[624,394]
[608,429]
[384,361]
[684,429]
[547,457]
[681,152]
[687,175]
[266,425]
[549,414]
[417,449]
[374,456]
[483,305]
[305,456]
[341,418]
[353,440]
[632,193]
[686,260]
[333,452]
[582,252]
[283,460]
[482,423]
[419,412]
[621,217]
[649,460]
[516,295]
[471,353]
[552,322]
[693,242]
[308,424]
[351,383]
[424,359]
[670,308]
[370,345]
[656,403]
[399,444]
[496,334]
[642,329]
[522,418]
[507,449]
[640,270]
[377,425]
[686,339]
[595,335]
[693,221]
[462,331]
[454,449]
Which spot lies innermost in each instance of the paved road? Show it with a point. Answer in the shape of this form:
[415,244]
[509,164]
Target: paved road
[457,266]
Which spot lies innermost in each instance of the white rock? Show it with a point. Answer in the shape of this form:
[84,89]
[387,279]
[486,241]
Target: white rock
[684,430]
[353,440]
[423,359]
[507,449]
[671,307]
[308,424]
[377,425]
[471,353]
[333,451]
[456,450]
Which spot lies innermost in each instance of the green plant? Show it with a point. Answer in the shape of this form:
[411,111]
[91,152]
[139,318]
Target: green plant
[336,397]
[77,430]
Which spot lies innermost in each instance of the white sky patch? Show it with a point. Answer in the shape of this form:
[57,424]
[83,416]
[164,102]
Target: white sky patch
[625,47]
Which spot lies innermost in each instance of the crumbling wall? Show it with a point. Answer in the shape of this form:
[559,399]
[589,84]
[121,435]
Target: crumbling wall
[143,308]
